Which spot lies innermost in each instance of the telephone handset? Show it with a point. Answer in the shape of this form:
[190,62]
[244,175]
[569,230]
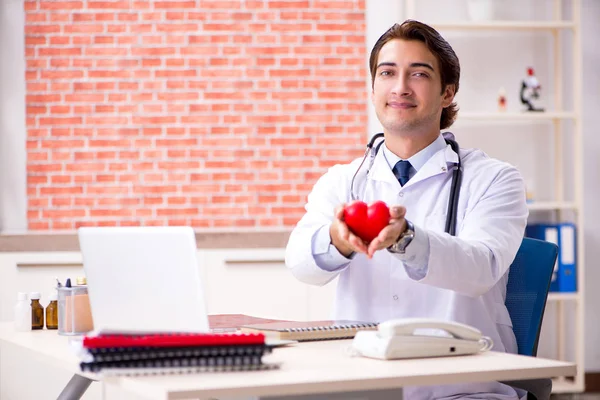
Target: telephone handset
[407,338]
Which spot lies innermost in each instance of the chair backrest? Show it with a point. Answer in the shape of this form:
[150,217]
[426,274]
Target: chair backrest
[529,279]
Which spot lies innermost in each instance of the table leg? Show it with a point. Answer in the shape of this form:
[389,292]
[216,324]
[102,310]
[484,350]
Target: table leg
[75,388]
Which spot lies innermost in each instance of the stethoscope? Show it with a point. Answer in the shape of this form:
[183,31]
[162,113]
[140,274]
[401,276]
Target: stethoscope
[454,188]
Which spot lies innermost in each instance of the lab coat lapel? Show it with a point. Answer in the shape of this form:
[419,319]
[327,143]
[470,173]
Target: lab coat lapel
[439,163]
[381,170]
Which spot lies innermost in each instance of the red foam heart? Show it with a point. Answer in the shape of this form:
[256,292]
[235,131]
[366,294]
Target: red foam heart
[366,222]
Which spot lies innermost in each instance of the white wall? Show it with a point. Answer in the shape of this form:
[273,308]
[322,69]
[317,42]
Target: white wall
[591,122]
[493,59]
[379,15]
[13,202]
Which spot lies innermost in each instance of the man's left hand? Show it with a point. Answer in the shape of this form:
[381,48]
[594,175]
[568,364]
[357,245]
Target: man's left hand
[391,233]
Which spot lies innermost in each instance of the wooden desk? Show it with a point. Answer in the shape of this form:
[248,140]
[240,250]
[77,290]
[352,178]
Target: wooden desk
[306,368]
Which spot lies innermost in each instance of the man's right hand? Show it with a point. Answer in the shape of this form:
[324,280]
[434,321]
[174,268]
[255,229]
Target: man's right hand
[342,238]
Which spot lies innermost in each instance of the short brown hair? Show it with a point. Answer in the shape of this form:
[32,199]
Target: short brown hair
[441,49]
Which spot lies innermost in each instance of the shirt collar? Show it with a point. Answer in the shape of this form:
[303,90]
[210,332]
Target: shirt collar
[418,160]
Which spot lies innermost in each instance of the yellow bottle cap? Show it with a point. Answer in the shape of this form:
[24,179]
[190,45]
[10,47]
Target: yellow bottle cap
[81,280]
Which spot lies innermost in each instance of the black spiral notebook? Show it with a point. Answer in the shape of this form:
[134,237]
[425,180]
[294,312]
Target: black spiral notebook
[153,353]
[226,358]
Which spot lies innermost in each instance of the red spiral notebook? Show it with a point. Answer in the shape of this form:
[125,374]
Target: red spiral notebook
[173,340]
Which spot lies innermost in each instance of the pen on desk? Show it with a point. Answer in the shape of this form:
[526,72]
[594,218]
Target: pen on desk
[68,282]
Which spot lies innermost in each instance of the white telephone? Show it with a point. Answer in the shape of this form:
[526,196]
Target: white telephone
[400,338]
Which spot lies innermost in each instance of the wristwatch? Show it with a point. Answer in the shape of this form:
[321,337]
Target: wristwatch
[404,240]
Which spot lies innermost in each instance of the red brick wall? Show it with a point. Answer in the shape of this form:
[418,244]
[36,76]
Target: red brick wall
[214,114]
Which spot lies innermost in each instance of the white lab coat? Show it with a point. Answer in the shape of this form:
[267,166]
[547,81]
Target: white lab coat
[465,279]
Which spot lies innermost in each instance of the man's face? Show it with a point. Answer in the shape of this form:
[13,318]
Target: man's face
[407,90]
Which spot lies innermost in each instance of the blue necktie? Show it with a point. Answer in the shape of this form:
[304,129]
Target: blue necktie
[401,171]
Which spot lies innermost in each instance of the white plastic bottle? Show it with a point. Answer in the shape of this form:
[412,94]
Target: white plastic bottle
[22,313]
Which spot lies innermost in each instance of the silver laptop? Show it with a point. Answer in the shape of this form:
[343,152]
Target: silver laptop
[143,279]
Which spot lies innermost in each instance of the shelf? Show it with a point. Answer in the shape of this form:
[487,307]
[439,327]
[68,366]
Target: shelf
[551,206]
[567,296]
[561,121]
[516,116]
[504,25]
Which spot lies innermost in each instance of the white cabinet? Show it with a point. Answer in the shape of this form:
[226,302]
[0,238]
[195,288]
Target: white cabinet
[236,281]
[34,272]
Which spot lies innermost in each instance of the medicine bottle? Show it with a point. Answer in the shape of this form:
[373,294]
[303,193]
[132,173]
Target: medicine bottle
[52,313]
[22,313]
[37,311]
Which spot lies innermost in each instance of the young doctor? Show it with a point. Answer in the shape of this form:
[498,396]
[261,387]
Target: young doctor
[414,268]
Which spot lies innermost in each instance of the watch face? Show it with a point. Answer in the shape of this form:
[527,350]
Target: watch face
[405,238]
[397,248]
[404,241]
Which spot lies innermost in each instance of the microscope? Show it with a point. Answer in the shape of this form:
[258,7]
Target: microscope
[530,89]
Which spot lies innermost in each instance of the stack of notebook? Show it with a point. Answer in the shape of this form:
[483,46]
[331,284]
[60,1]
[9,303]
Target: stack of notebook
[173,353]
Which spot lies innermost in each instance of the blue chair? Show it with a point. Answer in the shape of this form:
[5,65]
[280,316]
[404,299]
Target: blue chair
[529,279]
